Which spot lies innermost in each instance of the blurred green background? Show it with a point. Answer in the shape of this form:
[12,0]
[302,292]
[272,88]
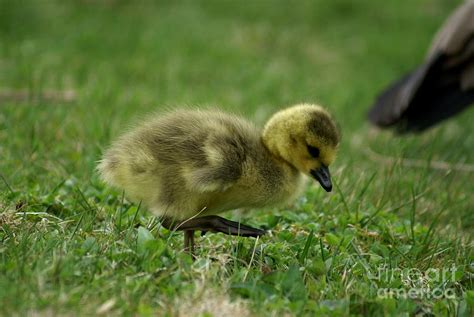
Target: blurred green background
[76,74]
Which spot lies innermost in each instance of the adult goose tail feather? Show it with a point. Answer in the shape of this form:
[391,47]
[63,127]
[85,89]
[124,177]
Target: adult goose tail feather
[438,89]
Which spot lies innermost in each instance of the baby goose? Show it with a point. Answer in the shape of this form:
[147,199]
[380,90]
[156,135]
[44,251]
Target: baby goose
[188,165]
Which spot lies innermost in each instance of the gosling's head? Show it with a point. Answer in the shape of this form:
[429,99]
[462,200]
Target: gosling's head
[306,137]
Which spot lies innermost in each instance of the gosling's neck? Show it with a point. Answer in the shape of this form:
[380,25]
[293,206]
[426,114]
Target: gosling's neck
[271,140]
[276,137]
[292,180]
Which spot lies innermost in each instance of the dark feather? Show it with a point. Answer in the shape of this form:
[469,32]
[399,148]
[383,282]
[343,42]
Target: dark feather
[438,89]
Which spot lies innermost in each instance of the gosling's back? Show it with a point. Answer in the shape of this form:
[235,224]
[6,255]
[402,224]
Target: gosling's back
[187,161]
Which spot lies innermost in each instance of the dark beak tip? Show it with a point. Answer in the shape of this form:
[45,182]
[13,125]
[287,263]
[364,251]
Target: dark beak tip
[323,177]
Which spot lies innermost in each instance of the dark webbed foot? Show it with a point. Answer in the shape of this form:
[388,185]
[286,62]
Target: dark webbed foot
[209,224]
[219,224]
[213,224]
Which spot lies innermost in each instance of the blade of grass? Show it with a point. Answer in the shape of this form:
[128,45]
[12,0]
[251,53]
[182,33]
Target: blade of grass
[119,223]
[322,248]
[77,226]
[361,194]
[412,216]
[309,241]
[366,186]
[251,259]
[135,215]
[342,198]
[6,184]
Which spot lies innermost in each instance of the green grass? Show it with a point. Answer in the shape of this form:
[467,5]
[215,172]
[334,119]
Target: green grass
[71,246]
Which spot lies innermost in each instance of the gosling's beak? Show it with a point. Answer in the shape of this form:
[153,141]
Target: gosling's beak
[323,176]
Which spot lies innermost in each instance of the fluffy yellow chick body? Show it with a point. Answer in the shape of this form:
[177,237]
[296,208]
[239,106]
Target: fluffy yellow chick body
[189,163]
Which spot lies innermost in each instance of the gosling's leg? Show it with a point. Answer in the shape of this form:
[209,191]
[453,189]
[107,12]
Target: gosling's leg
[170,224]
[219,224]
[211,224]
[189,242]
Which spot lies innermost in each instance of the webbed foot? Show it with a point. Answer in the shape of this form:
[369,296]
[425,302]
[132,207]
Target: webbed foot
[209,224]
[215,224]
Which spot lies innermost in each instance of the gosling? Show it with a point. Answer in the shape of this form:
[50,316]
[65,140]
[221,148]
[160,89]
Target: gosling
[188,165]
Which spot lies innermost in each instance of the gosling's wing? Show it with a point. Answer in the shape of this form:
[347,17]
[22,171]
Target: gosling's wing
[438,89]
[224,158]
[206,149]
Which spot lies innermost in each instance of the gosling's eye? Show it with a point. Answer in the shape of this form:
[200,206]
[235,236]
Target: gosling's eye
[313,151]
